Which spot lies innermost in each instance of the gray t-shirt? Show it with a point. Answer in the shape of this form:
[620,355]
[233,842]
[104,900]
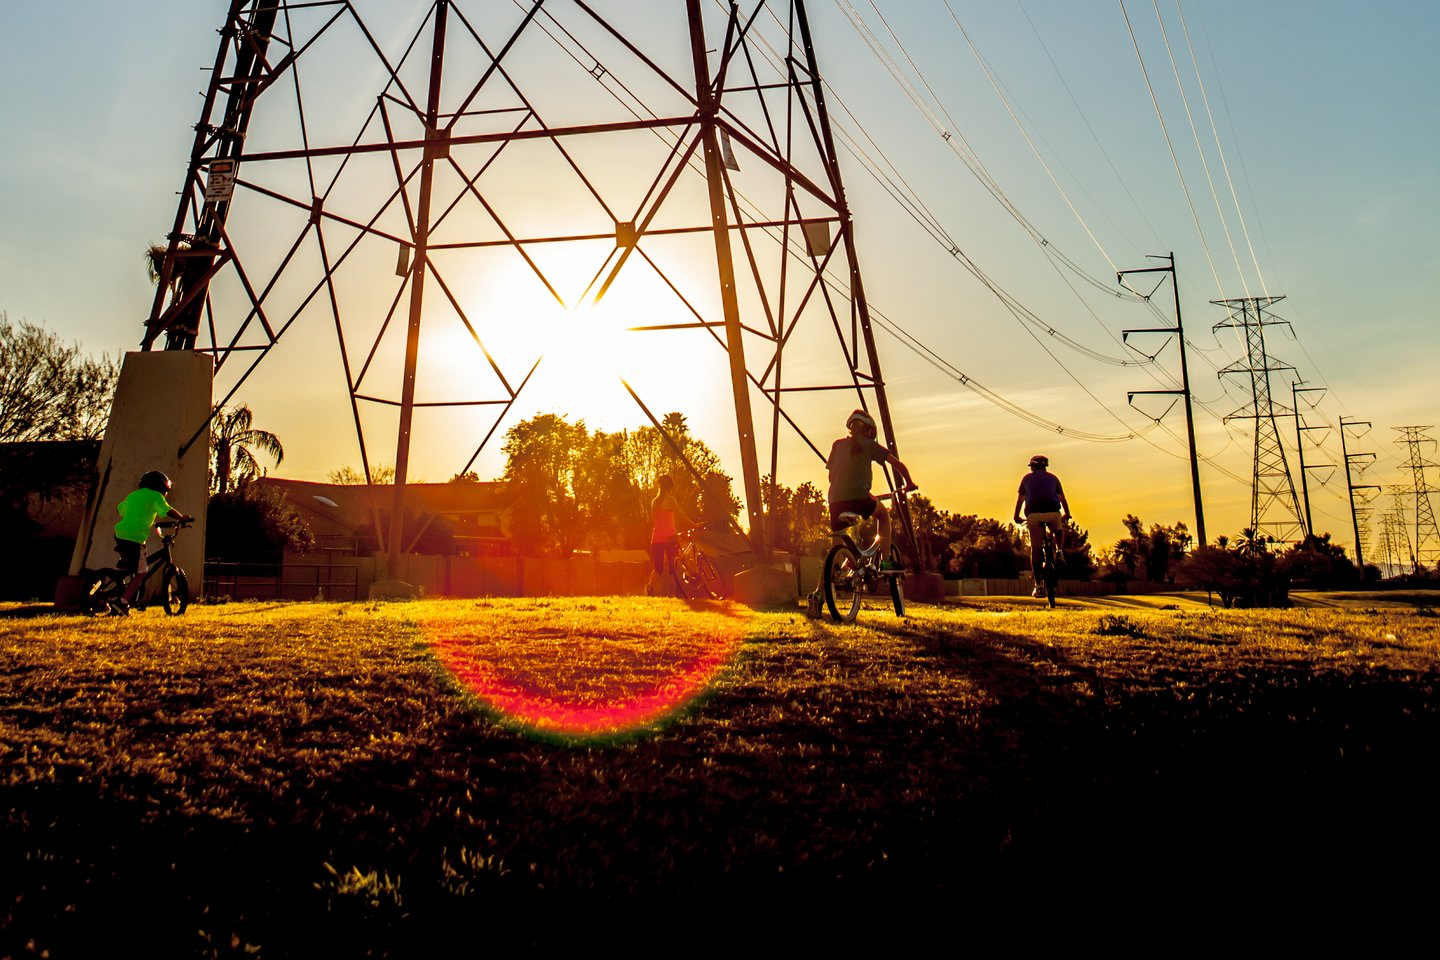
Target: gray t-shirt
[849,466]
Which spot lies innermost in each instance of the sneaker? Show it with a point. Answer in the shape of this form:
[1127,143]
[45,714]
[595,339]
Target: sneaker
[119,608]
[1038,592]
[890,566]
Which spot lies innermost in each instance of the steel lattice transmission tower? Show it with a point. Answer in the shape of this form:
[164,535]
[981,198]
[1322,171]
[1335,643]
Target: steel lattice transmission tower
[1427,533]
[1273,504]
[393,176]
[1394,547]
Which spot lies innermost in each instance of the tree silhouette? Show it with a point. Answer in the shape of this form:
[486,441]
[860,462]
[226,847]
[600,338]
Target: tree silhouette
[232,437]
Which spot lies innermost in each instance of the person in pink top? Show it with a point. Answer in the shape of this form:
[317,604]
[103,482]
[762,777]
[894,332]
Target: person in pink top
[664,535]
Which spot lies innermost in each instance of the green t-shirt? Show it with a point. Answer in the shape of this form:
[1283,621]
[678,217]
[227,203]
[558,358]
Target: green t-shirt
[138,513]
[850,469]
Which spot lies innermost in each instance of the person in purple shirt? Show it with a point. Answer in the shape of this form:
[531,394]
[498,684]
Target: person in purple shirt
[1045,505]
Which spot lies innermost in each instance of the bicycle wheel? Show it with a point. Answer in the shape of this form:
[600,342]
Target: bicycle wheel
[843,585]
[101,586]
[709,578]
[1048,573]
[175,591]
[687,584]
[897,585]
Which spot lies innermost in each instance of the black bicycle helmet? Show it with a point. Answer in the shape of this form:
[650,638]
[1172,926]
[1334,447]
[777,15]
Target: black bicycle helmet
[1039,460]
[155,480]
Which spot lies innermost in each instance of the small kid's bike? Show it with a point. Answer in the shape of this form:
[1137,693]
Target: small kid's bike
[695,573]
[850,573]
[105,588]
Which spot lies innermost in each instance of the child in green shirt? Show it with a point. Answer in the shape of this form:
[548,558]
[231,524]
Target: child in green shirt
[138,513]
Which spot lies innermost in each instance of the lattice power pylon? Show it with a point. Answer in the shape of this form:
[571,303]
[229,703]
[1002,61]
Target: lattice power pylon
[1427,533]
[1273,504]
[459,185]
[1394,549]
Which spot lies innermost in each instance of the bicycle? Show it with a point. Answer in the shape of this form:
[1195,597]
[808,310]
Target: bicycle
[104,588]
[1049,568]
[850,573]
[696,575]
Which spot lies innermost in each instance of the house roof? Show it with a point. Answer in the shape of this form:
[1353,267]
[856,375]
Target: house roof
[346,507]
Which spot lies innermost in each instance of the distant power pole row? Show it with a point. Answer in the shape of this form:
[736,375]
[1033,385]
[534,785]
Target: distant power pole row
[1274,506]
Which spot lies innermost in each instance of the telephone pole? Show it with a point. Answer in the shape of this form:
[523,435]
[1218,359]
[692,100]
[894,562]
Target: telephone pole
[1179,331]
[1357,463]
[1271,486]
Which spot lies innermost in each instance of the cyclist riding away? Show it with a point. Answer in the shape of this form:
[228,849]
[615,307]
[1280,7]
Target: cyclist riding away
[138,513]
[851,475]
[1045,506]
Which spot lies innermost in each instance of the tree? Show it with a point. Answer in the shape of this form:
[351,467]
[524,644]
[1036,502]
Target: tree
[232,435]
[983,547]
[574,488]
[379,474]
[1148,555]
[542,455]
[251,525]
[48,389]
[1319,564]
[1247,575]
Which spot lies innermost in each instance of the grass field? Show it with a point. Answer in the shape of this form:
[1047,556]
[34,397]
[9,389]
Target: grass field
[335,780]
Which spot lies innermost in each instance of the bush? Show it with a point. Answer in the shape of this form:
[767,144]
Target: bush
[252,525]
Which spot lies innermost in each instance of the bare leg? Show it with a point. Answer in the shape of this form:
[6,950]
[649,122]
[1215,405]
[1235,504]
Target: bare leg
[136,581]
[882,531]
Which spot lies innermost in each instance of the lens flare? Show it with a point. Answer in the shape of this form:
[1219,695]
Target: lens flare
[588,669]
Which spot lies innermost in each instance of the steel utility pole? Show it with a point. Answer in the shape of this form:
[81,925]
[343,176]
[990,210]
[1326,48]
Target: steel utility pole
[1300,428]
[1364,459]
[1184,391]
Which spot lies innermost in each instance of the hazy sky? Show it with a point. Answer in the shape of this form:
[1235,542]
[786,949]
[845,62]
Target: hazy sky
[1328,125]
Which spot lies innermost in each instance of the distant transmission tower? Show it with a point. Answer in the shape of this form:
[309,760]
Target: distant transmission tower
[384,181]
[1393,546]
[1427,533]
[1273,504]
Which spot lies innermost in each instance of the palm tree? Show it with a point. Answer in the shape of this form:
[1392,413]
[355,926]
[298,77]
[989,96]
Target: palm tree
[231,438]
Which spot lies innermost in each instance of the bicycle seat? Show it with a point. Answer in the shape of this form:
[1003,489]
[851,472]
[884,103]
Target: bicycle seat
[846,520]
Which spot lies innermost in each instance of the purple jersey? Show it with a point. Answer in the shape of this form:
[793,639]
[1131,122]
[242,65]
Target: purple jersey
[1042,492]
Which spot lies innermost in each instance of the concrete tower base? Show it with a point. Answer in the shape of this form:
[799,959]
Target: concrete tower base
[162,398]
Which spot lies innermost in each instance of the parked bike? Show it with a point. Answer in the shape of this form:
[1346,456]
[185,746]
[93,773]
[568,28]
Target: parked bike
[695,573]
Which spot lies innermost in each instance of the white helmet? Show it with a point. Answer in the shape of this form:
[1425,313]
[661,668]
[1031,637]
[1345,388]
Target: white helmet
[860,416]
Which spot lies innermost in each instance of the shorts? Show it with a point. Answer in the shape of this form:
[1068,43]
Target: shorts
[1035,521]
[130,554]
[866,509]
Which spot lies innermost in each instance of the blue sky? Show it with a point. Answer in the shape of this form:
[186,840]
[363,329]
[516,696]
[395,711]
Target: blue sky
[1328,122]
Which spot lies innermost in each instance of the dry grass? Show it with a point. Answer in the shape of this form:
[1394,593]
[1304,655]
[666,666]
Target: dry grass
[323,779]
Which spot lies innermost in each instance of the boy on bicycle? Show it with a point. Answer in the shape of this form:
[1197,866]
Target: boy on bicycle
[850,477]
[138,513]
[1045,506]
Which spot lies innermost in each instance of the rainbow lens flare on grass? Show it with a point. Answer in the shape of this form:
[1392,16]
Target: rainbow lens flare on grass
[587,669]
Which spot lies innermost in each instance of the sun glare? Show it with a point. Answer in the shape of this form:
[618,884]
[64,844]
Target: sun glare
[585,349]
